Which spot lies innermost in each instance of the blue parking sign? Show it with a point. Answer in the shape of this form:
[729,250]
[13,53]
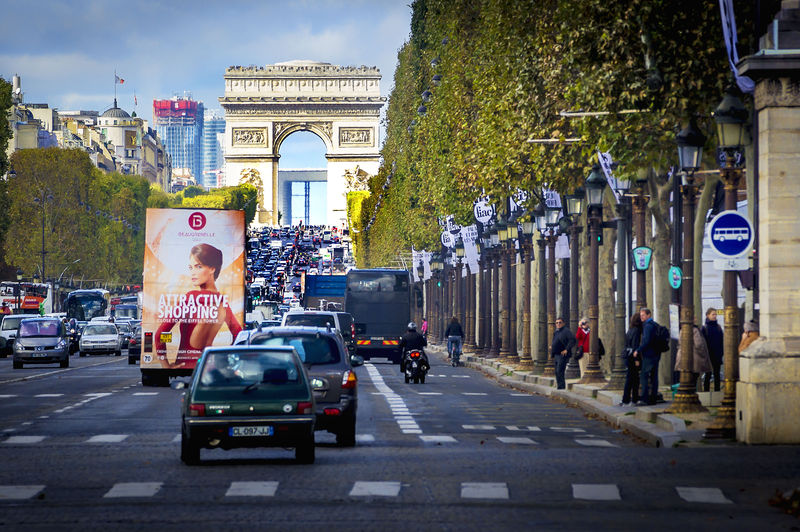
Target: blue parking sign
[730,234]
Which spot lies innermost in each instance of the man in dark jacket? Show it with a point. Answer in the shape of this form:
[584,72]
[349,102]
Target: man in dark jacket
[713,335]
[649,357]
[560,350]
[410,341]
[455,337]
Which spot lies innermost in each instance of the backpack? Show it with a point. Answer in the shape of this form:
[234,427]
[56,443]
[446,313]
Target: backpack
[660,342]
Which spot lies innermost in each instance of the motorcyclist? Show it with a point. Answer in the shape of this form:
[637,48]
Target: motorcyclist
[410,341]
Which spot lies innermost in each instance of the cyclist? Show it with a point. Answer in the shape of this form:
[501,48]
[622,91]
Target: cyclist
[455,337]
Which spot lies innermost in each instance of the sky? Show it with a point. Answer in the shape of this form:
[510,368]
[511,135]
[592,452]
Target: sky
[66,52]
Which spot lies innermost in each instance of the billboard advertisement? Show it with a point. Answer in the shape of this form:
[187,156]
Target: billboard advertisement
[193,294]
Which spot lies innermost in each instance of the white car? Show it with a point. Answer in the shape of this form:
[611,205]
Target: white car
[100,338]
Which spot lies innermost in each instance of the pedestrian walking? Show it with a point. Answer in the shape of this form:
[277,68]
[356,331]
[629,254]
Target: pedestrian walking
[649,358]
[701,362]
[633,338]
[582,338]
[560,350]
[424,328]
[713,334]
[455,336]
[749,335]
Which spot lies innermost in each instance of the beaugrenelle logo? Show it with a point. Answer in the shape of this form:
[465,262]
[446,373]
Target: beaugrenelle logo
[197,220]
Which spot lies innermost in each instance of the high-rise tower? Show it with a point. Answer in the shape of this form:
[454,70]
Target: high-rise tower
[179,123]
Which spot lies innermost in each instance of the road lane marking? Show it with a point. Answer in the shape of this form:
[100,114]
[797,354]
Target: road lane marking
[176,439]
[461,376]
[517,440]
[520,395]
[39,375]
[478,427]
[474,393]
[375,489]
[595,443]
[24,439]
[438,439]
[107,438]
[97,394]
[596,492]
[365,438]
[404,418]
[252,489]
[429,393]
[146,393]
[566,429]
[484,490]
[9,493]
[133,489]
[706,495]
[412,431]
[529,428]
[8,396]
[49,395]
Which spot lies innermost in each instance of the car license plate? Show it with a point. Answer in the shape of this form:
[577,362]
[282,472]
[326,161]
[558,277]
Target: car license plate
[251,431]
[39,354]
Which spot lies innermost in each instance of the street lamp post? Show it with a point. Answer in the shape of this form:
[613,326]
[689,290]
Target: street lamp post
[690,151]
[483,320]
[595,185]
[19,289]
[730,116]
[505,319]
[640,201]
[526,249]
[551,222]
[618,368]
[542,362]
[512,235]
[573,205]
[495,295]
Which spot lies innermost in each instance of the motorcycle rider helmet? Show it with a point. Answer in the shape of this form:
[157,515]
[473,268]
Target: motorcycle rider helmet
[412,326]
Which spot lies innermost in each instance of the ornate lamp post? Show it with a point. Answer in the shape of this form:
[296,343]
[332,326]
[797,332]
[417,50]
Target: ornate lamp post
[19,289]
[505,337]
[435,323]
[484,338]
[421,308]
[573,206]
[730,116]
[512,234]
[618,369]
[595,185]
[640,201]
[551,223]
[526,249]
[494,297]
[459,283]
[542,365]
[690,152]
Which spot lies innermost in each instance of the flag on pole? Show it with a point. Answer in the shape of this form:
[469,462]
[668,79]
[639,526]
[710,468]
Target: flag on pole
[118,79]
[135,101]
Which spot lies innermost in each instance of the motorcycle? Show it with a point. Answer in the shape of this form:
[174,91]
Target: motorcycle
[416,366]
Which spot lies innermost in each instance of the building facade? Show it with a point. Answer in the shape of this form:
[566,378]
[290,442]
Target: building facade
[179,124]
[213,140]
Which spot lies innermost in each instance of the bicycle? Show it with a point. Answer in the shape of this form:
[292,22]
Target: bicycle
[454,350]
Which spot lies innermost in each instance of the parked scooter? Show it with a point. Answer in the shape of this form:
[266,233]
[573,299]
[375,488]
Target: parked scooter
[416,366]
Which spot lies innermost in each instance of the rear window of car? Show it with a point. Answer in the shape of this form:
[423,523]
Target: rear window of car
[234,369]
[10,324]
[99,329]
[30,329]
[310,320]
[312,349]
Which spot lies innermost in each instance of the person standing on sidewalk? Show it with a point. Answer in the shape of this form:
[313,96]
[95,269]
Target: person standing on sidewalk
[560,350]
[424,327]
[582,337]
[649,357]
[713,334]
[634,363]
[455,336]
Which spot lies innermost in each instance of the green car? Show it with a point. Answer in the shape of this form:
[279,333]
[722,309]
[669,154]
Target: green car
[248,396]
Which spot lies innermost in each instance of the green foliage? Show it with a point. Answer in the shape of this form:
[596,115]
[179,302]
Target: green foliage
[355,201]
[507,71]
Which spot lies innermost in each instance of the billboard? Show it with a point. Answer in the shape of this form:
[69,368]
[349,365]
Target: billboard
[193,294]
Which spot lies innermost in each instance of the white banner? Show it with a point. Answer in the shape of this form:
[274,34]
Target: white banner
[729,33]
[605,163]
[469,235]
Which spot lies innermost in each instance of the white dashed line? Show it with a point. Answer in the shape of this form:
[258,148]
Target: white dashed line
[8,396]
[365,438]
[9,493]
[596,492]
[146,393]
[516,440]
[484,490]
[529,428]
[478,427]
[566,429]
[429,393]
[404,418]
[438,439]
[133,489]
[107,438]
[24,439]
[252,489]
[520,395]
[707,495]
[375,489]
[49,395]
[474,393]
[461,376]
[594,443]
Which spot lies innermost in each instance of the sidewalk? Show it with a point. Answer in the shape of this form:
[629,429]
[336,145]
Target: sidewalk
[649,423]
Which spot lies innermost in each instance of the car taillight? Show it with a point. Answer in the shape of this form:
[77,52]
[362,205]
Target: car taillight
[197,410]
[353,330]
[349,379]
[304,408]
[332,412]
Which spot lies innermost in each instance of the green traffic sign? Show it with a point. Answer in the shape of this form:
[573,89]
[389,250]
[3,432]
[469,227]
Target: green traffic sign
[675,277]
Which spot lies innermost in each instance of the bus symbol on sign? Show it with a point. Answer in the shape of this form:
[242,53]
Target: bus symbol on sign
[730,235]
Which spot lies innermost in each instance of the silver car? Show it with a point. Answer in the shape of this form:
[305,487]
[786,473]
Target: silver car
[100,337]
[41,341]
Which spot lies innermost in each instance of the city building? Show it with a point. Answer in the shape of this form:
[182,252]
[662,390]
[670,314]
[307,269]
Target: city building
[179,123]
[213,141]
[31,124]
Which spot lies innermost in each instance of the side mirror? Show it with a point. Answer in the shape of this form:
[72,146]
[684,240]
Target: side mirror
[356,360]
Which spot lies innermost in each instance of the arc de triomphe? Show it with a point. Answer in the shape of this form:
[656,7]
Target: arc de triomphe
[264,105]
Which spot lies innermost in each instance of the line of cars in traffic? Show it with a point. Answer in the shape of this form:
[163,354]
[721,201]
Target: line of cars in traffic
[49,339]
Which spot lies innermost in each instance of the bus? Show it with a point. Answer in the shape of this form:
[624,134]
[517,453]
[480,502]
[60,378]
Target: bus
[83,305]
[30,297]
[380,302]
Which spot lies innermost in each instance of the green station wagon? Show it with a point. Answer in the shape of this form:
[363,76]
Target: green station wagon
[248,396]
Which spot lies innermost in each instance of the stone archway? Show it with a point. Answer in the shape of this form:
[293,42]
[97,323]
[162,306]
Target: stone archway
[264,105]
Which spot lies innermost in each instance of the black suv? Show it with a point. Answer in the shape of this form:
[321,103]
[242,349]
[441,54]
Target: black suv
[330,368]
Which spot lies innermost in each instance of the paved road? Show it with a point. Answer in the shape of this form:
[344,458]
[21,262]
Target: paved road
[88,448]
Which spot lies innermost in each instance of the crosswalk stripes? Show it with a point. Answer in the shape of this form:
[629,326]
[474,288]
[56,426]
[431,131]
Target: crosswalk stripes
[596,492]
[484,490]
[133,489]
[704,495]
[468,490]
[252,489]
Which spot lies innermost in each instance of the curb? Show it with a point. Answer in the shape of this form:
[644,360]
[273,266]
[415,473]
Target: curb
[657,428]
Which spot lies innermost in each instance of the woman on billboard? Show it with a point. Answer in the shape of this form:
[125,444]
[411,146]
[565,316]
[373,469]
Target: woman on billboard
[201,312]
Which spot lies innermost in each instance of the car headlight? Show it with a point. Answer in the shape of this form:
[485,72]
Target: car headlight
[61,344]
